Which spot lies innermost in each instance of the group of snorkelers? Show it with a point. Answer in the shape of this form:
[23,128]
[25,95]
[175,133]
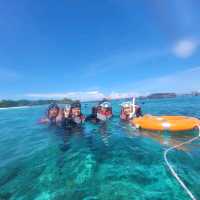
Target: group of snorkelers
[71,116]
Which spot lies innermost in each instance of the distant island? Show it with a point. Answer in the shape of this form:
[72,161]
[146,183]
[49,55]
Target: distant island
[194,94]
[168,95]
[161,95]
[19,103]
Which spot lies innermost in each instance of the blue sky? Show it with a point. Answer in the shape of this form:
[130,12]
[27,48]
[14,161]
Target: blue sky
[89,49]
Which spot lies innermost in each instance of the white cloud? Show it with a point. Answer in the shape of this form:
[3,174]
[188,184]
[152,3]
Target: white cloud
[180,82]
[118,95]
[46,95]
[185,48]
[83,96]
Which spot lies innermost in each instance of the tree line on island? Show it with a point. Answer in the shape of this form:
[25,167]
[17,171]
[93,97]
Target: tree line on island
[18,103]
[23,102]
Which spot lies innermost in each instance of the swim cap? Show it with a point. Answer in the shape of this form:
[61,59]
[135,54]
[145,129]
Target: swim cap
[76,104]
[53,105]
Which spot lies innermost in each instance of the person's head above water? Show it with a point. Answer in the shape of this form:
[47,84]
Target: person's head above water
[67,110]
[104,110]
[104,106]
[76,108]
[53,111]
[127,108]
[130,109]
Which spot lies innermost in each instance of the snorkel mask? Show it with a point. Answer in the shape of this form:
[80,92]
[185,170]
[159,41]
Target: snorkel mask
[105,104]
[67,110]
[131,105]
[126,104]
[67,107]
[105,111]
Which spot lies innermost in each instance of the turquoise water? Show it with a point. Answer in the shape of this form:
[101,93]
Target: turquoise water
[108,162]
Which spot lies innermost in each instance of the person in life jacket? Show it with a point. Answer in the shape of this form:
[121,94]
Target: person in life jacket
[129,110]
[76,117]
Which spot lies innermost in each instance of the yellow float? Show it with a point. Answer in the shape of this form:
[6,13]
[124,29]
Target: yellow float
[169,123]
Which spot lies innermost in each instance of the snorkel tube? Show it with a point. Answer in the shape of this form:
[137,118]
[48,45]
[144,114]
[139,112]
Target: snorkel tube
[132,114]
[131,105]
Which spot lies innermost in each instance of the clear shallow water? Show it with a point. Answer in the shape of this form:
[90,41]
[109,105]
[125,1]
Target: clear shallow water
[108,162]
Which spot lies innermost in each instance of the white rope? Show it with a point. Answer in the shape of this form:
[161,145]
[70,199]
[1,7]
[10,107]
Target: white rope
[173,171]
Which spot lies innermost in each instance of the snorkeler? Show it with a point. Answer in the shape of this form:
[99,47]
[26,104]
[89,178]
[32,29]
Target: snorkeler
[75,115]
[67,111]
[93,116]
[67,116]
[102,112]
[126,111]
[138,111]
[129,110]
[60,117]
[53,115]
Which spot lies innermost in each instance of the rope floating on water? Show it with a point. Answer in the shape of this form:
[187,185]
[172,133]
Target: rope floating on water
[173,171]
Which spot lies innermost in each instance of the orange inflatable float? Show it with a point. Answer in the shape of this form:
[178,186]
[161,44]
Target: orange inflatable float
[170,123]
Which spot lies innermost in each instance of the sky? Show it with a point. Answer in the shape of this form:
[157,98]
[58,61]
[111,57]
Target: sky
[90,49]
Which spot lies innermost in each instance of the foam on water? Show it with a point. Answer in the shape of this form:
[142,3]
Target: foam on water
[111,161]
[10,108]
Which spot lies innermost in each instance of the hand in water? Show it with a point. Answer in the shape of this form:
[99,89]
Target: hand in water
[43,121]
